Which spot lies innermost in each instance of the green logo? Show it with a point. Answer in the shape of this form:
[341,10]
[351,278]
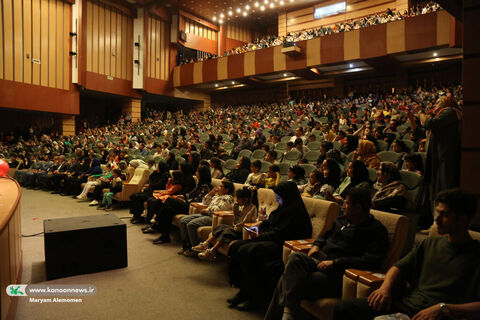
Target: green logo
[16,290]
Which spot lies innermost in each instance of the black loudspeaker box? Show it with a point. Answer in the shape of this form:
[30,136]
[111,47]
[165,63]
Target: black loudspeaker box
[81,245]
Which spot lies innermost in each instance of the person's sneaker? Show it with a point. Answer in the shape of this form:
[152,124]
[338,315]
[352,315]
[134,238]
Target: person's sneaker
[189,253]
[108,208]
[101,207]
[94,203]
[162,239]
[202,246]
[82,198]
[208,255]
[181,252]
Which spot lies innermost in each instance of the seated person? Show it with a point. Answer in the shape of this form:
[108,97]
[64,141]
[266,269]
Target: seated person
[413,162]
[216,168]
[389,191]
[296,174]
[218,199]
[357,177]
[179,204]
[356,240]
[271,157]
[117,185]
[241,171]
[256,177]
[91,183]
[443,272]
[366,152]
[256,264]
[313,186]
[244,211]
[272,176]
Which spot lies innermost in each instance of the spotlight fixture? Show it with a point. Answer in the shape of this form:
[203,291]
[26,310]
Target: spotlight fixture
[244,13]
[272,5]
[285,74]
[281,2]
[247,7]
[350,65]
[230,12]
[238,10]
[71,53]
[435,54]
[262,8]
[216,85]
[291,0]
[220,21]
[256,4]
[265,1]
[73,34]
[214,18]
[221,15]
[137,44]
[136,61]
[233,82]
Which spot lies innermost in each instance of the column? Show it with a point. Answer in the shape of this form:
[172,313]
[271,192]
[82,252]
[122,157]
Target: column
[133,107]
[68,125]
[470,157]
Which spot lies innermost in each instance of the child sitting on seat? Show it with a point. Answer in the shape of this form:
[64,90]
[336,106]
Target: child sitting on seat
[244,211]
[117,185]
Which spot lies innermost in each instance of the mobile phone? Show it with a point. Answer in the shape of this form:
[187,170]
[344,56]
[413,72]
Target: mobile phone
[319,255]
[253,229]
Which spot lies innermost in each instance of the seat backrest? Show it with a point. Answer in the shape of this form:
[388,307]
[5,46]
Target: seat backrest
[372,174]
[315,145]
[258,154]
[414,184]
[391,156]
[292,155]
[308,169]
[285,139]
[337,145]
[130,173]
[312,156]
[397,228]
[381,145]
[265,166]
[322,213]
[244,153]
[138,176]
[230,164]
[281,146]
[284,168]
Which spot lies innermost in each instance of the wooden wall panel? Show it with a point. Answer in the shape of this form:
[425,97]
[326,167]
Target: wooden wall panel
[118,48]
[108,48]
[113,42]
[279,59]
[89,36]
[59,46]
[123,60]
[313,52]
[8,39]
[299,61]
[443,28]
[235,66]
[1,44]
[373,41]
[222,68]
[249,63]
[210,70]
[158,51]
[94,51]
[264,61]
[52,42]
[159,29]
[129,60]
[186,74]
[36,45]
[27,41]
[331,48]
[101,38]
[396,36]
[352,45]
[67,26]
[197,72]
[421,32]
[18,40]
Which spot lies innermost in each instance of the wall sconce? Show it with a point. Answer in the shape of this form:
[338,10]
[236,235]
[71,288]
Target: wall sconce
[137,44]
[136,61]
[72,53]
[73,34]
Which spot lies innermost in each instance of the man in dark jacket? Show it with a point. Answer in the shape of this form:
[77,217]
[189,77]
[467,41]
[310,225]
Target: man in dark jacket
[356,240]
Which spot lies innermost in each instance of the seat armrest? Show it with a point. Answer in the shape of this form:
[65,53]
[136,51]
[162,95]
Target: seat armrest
[292,244]
[368,278]
[223,213]
[198,205]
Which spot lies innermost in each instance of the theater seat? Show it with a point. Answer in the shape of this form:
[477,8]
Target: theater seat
[138,180]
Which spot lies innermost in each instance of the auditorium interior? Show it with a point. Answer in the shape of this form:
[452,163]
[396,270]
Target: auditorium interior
[102,99]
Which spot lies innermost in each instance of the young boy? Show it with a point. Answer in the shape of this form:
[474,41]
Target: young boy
[116,187]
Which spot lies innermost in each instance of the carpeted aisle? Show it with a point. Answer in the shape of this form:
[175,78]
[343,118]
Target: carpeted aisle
[158,283]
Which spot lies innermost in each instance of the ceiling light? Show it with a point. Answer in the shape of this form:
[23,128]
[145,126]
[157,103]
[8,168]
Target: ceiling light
[230,12]
[244,13]
[238,10]
[291,0]
[351,65]
[262,8]
[216,85]
[214,18]
[220,21]
[271,5]
[281,2]
[233,82]
[435,54]
[247,7]
[221,15]
[285,74]
[256,4]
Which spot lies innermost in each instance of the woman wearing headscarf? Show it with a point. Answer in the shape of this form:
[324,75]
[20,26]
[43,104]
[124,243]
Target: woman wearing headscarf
[357,177]
[241,172]
[390,192]
[366,152]
[172,163]
[350,145]
[256,264]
